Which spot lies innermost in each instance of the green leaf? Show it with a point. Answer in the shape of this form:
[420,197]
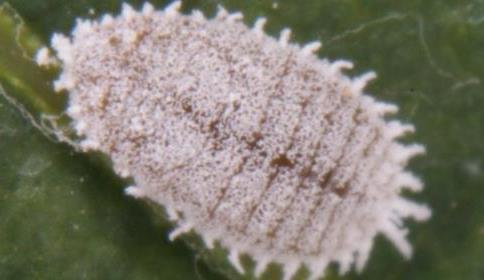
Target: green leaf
[63,215]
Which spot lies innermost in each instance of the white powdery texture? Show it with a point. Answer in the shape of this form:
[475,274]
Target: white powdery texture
[250,141]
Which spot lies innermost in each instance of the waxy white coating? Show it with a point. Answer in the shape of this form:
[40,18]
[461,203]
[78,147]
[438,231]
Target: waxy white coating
[247,140]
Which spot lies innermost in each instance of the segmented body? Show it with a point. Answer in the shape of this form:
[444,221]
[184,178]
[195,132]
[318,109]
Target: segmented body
[249,141]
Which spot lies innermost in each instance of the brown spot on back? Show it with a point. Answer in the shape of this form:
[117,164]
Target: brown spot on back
[282,161]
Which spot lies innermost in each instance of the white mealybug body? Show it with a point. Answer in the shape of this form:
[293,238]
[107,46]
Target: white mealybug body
[249,141]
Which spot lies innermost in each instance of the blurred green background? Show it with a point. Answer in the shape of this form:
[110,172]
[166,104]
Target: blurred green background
[63,215]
